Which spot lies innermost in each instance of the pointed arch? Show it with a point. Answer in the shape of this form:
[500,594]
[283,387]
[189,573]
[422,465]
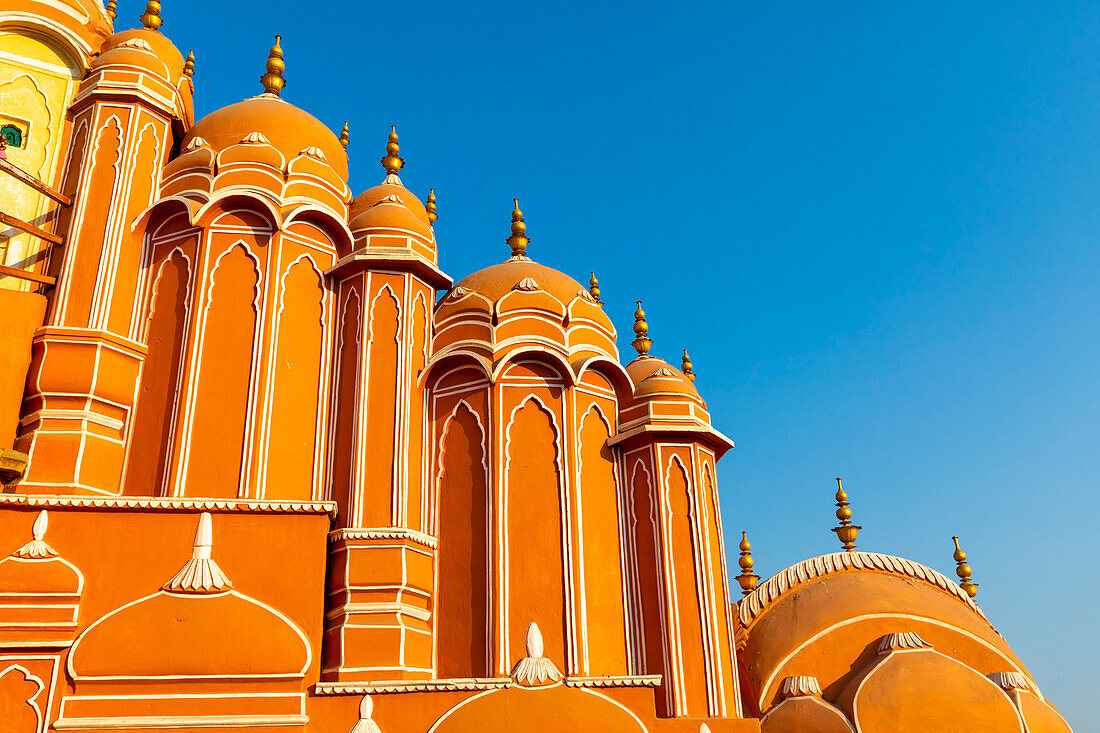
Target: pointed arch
[377,504]
[535,531]
[296,388]
[684,563]
[224,374]
[157,399]
[462,606]
[600,546]
[345,405]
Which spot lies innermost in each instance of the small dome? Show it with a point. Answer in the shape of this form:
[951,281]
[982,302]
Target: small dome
[392,186]
[144,48]
[391,212]
[654,378]
[496,281]
[289,129]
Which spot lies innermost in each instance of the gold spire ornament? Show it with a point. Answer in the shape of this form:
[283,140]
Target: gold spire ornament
[518,241]
[642,341]
[344,139]
[687,367]
[189,65]
[392,162]
[747,579]
[429,206]
[112,9]
[963,571]
[151,17]
[846,532]
[594,288]
[273,80]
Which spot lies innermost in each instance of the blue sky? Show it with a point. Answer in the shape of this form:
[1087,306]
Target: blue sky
[875,227]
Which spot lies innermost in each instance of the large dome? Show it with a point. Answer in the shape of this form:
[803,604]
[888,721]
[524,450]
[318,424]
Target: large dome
[290,130]
[496,281]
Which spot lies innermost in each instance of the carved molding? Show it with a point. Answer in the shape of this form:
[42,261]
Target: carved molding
[396,686]
[390,533]
[800,686]
[637,680]
[172,504]
[1010,681]
[808,570]
[901,642]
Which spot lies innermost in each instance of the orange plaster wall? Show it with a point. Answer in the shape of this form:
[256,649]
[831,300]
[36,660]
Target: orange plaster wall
[23,314]
[345,405]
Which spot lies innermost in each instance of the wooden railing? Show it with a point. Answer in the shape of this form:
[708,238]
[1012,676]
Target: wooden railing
[24,226]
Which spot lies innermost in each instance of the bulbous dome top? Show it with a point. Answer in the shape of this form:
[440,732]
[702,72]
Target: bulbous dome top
[288,129]
[496,281]
[654,378]
[144,48]
[391,212]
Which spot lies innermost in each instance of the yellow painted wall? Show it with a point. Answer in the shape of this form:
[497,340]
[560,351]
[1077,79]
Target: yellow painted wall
[37,83]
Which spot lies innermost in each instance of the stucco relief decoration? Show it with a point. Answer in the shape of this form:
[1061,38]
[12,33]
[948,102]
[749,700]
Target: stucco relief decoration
[535,669]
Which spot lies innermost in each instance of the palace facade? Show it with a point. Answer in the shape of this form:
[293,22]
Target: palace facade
[267,468]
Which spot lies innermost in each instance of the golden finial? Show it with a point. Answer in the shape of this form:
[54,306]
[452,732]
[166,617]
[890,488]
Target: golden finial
[392,162]
[273,80]
[748,579]
[344,139]
[112,9]
[189,66]
[687,367]
[429,206]
[963,571]
[642,342]
[846,532]
[518,241]
[594,288]
[151,17]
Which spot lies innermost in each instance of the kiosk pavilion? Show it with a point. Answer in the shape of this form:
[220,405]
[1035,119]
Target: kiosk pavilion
[266,468]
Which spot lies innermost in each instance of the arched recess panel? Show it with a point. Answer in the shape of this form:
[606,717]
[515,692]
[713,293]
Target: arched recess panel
[156,400]
[414,509]
[20,699]
[124,279]
[224,373]
[462,611]
[345,403]
[297,385]
[684,561]
[84,249]
[379,451]
[605,608]
[68,187]
[643,518]
[720,587]
[536,563]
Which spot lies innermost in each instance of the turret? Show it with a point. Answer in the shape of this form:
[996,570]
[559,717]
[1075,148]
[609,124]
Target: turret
[670,451]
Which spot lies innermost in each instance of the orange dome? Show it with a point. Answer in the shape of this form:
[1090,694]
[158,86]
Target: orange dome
[290,130]
[496,281]
[653,377]
[144,48]
[392,212]
[392,186]
[821,616]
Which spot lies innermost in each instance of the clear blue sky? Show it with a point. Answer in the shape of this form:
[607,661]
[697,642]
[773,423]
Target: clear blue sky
[874,226]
